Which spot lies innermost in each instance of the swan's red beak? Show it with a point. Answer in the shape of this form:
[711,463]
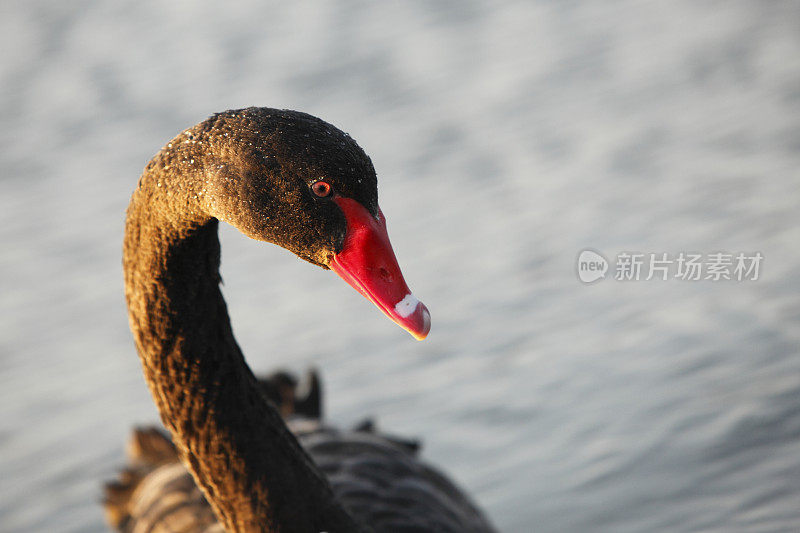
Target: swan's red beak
[368,264]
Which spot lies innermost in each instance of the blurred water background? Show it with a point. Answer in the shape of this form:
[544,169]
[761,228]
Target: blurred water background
[507,138]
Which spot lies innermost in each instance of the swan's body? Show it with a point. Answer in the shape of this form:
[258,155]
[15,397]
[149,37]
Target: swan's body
[378,478]
[258,170]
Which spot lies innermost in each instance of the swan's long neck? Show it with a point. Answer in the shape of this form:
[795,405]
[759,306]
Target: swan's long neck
[250,467]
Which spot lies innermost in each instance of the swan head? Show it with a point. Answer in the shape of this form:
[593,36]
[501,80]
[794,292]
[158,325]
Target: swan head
[291,179]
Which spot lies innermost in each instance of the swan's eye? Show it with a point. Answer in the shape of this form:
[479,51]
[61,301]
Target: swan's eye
[321,188]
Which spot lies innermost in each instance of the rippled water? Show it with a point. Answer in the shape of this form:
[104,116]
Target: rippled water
[507,139]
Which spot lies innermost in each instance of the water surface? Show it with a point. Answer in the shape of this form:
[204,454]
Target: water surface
[507,138]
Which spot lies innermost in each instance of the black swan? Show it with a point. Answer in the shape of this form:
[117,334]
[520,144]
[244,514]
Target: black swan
[291,179]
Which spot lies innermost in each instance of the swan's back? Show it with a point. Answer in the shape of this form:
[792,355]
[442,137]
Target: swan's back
[155,492]
[384,485]
[379,479]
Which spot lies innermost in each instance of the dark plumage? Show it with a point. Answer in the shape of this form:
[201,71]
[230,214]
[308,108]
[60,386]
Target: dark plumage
[251,470]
